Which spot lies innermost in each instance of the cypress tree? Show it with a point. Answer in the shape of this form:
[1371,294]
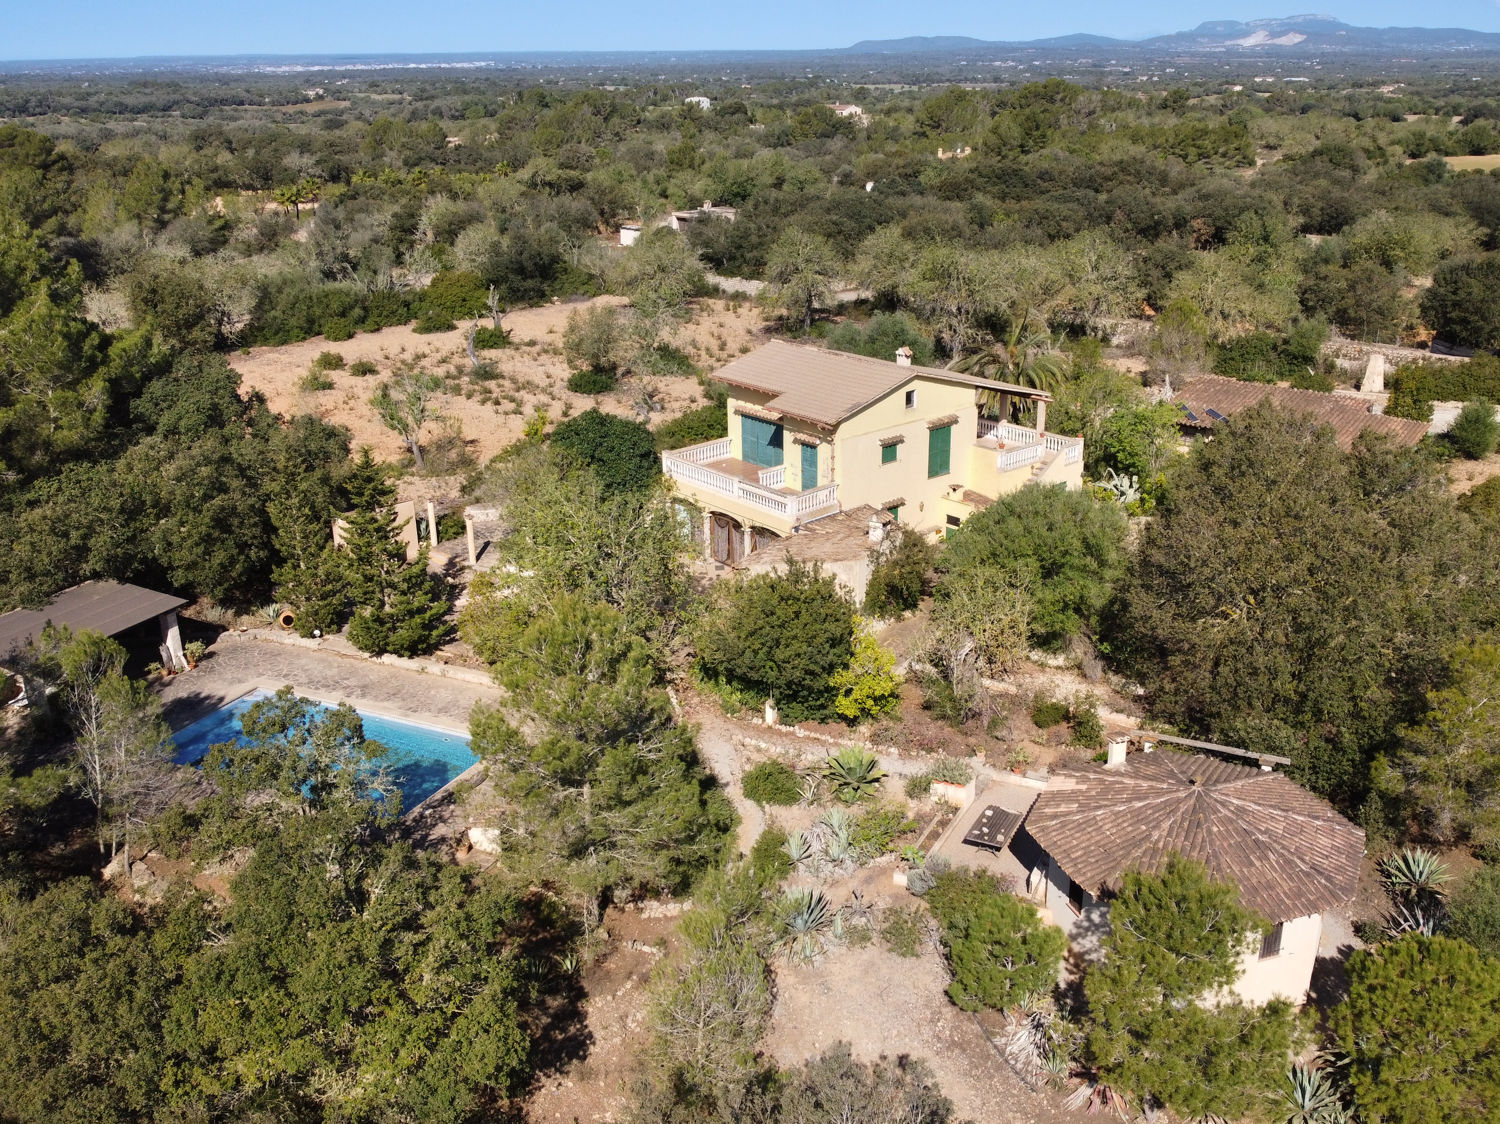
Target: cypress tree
[398,606]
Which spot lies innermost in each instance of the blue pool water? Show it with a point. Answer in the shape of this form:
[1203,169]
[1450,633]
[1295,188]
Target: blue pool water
[421,758]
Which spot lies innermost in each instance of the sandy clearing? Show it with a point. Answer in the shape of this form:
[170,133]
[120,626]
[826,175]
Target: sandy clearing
[532,374]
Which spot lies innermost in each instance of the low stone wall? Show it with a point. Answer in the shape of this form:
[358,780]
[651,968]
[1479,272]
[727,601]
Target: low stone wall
[339,647]
[1353,355]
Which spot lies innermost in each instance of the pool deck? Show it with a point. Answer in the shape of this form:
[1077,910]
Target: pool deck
[237,664]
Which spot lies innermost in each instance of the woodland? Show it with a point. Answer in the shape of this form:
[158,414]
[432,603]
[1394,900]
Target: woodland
[1266,588]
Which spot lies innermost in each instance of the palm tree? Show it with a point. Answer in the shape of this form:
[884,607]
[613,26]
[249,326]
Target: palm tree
[1027,356]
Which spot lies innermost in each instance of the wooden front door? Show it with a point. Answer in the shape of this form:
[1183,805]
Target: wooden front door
[728,540]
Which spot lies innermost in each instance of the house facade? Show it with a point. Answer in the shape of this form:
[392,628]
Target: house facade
[1291,855]
[813,433]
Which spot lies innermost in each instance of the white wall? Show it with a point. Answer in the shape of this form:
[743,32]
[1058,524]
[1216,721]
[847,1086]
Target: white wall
[1287,975]
[1086,928]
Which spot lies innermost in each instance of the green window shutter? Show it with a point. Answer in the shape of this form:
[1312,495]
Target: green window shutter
[895,512]
[939,450]
[888,454]
[809,467]
[762,441]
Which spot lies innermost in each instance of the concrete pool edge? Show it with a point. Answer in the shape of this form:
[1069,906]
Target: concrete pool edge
[378,710]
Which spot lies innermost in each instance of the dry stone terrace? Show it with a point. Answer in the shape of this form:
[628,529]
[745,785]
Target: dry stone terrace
[237,663]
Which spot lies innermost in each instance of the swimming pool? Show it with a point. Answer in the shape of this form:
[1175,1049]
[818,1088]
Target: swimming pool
[422,758]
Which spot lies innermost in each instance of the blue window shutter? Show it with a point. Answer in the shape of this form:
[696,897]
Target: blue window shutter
[809,467]
[762,441]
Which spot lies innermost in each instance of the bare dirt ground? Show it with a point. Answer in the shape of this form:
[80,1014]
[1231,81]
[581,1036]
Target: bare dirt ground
[1464,476]
[887,1006]
[597,1086]
[492,414]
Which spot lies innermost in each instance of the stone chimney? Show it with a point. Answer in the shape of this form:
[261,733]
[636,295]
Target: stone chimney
[903,357]
[1115,753]
[877,529]
[1374,379]
[708,204]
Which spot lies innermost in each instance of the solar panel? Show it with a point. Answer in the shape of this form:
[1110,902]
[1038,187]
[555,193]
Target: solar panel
[1216,415]
[1192,417]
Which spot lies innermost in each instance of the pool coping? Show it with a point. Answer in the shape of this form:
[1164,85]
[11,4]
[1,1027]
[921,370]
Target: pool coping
[239,691]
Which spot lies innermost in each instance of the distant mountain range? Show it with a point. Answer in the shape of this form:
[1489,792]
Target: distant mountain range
[1307,38]
[1301,35]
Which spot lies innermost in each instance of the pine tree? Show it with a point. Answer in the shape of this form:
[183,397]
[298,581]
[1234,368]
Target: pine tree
[311,578]
[399,606]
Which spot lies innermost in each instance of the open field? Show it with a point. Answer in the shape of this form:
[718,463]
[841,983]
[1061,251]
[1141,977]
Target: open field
[532,375]
[1473,163]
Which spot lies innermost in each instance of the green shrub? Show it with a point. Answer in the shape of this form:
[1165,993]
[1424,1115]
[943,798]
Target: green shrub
[431,321]
[454,294]
[664,359]
[622,452]
[591,381]
[385,309]
[316,379]
[768,857]
[1046,713]
[881,336]
[918,786]
[899,577]
[329,361]
[999,951]
[783,634]
[772,782]
[337,330]
[1475,430]
[362,368]
[876,829]
[942,700]
[491,339]
[1088,730]
[950,770]
[705,423]
[903,931]
[1416,386]
[1474,911]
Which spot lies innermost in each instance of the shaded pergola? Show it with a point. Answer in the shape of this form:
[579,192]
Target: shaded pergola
[99,606]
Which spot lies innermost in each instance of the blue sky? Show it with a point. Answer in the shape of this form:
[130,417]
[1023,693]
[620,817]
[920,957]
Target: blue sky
[122,28]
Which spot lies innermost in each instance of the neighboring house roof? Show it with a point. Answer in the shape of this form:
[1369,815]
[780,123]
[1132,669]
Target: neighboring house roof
[107,607]
[1288,851]
[827,387]
[1208,395]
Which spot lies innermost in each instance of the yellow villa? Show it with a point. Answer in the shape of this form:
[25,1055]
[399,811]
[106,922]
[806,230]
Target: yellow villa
[813,433]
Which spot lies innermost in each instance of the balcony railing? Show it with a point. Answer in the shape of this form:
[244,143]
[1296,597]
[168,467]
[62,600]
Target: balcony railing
[690,467]
[1021,446]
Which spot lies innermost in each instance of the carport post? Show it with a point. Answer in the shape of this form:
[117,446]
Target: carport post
[171,635]
[432,534]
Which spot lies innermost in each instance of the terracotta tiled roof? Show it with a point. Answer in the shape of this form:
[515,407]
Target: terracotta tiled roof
[825,387]
[1288,851]
[1207,395]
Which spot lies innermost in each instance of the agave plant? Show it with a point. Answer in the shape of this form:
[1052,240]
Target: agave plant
[858,913]
[854,774]
[797,848]
[270,612]
[1310,1098]
[1409,917]
[1126,489]
[1414,874]
[805,920]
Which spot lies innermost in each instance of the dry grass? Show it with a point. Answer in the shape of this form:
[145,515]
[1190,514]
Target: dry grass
[1473,163]
[531,374]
